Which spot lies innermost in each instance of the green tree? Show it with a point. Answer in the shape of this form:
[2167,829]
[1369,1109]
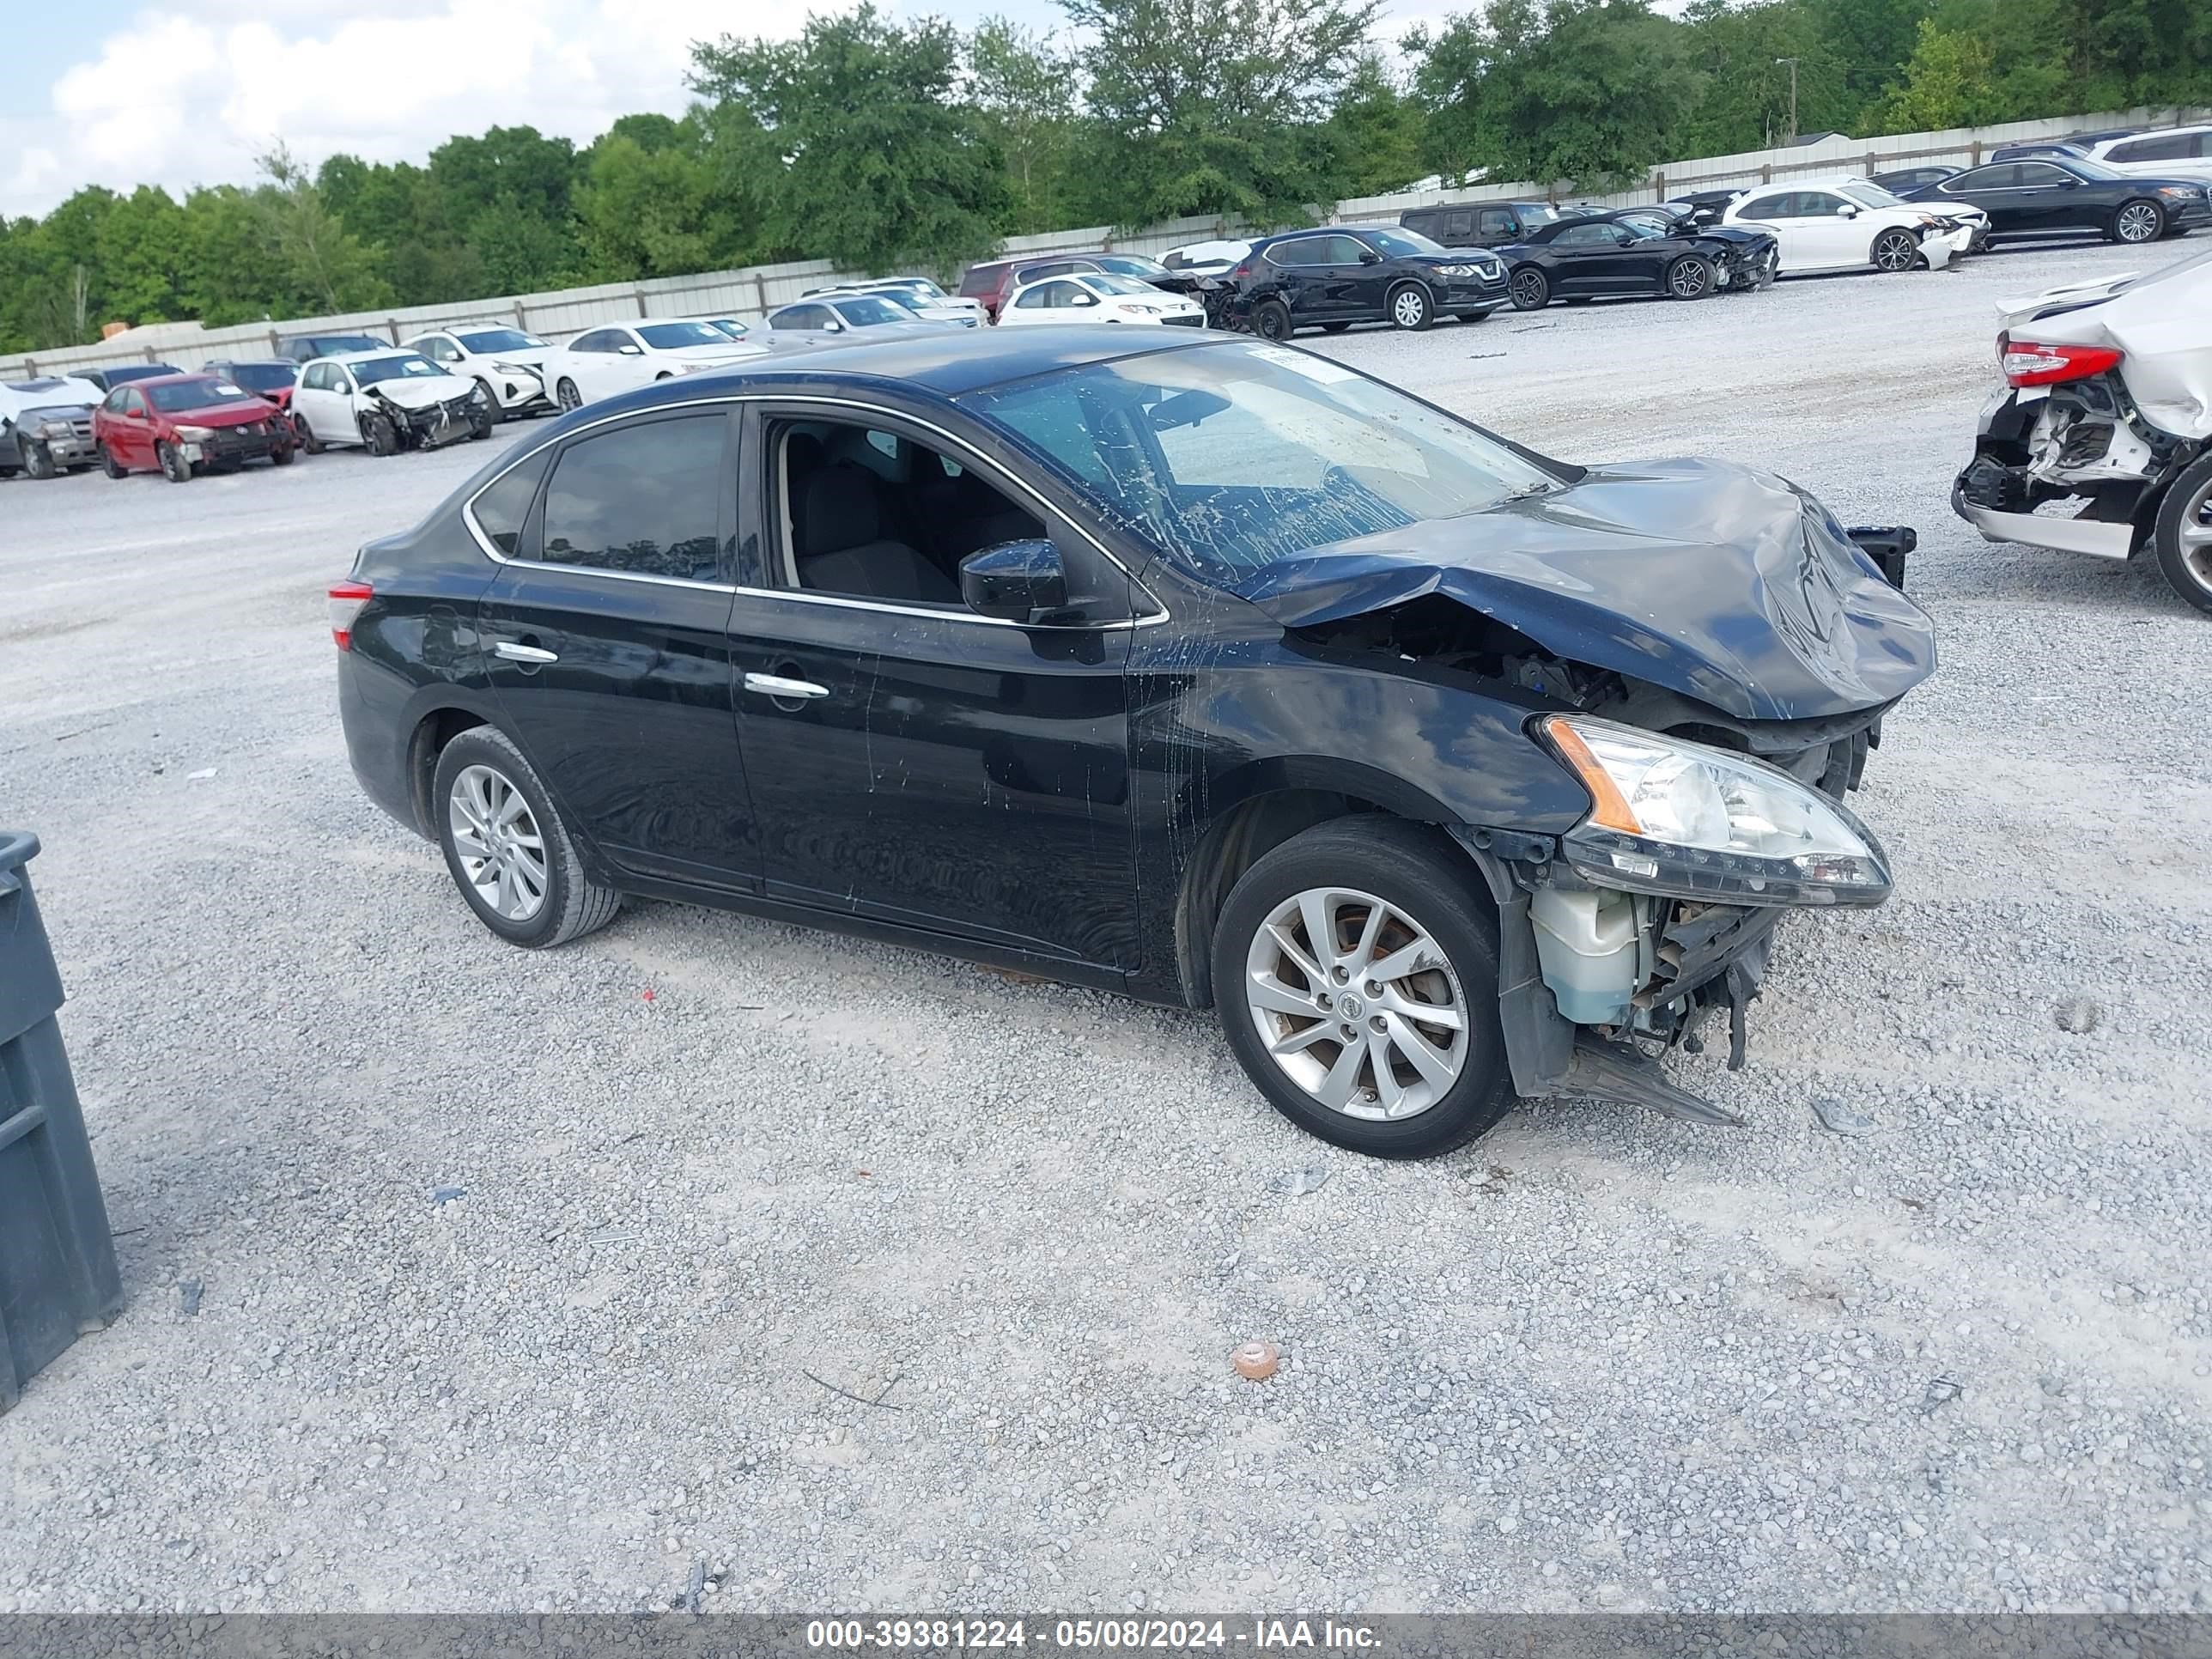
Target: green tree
[318,266]
[1377,130]
[1869,42]
[1743,100]
[1026,89]
[882,164]
[1218,106]
[1587,91]
[659,211]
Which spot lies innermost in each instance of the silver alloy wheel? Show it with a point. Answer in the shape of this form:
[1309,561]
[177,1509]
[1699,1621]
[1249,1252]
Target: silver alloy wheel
[1357,1003]
[566,396]
[496,839]
[1686,281]
[1894,250]
[2195,536]
[1528,290]
[1410,309]
[2138,223]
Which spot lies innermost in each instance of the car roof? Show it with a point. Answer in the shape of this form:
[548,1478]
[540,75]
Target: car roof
[939,362]
[370,356]
[251,363]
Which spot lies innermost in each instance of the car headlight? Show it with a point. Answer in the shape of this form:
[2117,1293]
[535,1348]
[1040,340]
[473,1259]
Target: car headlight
[1690,821]
[56,429]
[515,369]
[194,434]
[2179,192]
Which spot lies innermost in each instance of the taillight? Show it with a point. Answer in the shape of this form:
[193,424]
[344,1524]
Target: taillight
[1242,270]
[346,601]
[2025,363]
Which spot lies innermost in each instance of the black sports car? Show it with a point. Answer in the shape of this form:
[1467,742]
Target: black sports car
[1340,275]
[1636,251]
[2066,195]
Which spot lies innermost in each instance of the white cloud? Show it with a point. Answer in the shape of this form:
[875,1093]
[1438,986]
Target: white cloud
[178,100]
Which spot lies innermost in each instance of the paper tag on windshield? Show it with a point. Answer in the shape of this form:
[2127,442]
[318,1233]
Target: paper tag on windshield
[1320,369]
[228,390]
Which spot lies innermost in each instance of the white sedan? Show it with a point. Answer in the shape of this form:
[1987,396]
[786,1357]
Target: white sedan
[621,357]
[507,362]
[1098,297]
[385,401]
[1820,228]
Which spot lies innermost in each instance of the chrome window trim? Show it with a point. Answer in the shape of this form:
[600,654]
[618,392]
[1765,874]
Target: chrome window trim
[484,545]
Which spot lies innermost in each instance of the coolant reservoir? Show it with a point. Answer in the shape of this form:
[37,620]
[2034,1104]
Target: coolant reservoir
[1586,945]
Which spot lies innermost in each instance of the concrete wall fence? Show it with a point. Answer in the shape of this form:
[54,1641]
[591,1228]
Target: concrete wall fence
[752,292]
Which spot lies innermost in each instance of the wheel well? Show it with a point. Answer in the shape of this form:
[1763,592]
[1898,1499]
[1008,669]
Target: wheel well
[1232,844]
[438,728]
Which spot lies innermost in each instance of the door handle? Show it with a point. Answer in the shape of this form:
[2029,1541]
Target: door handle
[532,653]
[774,685]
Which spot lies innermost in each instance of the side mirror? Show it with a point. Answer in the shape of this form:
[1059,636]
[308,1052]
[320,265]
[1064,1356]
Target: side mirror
[1847,211]
[1369,257]
[629,349]
[2068,181]
[1014,580]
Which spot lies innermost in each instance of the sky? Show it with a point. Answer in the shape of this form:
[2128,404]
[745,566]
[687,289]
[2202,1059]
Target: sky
[179,95]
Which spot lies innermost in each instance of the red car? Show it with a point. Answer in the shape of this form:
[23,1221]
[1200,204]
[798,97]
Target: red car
[181,424]
[272,377]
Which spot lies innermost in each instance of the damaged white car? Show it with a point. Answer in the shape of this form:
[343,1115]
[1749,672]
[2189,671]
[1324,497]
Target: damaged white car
[1823,227]
[387,401]
[2101,441]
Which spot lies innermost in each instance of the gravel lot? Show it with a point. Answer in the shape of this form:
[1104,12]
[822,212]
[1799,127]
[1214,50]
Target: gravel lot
[1600,1360]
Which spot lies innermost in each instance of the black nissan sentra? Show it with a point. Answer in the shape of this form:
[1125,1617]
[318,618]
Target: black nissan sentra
[1200,669]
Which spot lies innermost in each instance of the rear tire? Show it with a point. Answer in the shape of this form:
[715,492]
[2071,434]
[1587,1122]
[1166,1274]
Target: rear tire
[1436,919]
[1271,320]
[2182,534]
[308,441]
[483,763]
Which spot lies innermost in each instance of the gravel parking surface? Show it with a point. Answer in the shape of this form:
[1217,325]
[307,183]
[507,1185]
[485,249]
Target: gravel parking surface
[509,1279]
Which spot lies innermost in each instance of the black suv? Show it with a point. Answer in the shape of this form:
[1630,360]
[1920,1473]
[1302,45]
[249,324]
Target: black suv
[1202,669]
[1480,224]
[1338,275]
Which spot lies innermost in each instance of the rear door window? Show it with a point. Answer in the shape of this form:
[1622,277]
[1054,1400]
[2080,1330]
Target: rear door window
[644,499]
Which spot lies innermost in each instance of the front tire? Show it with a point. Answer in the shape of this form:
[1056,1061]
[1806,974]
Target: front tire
[2182,534]
[1531,289]
[1271,320]
[1690,277]
[38,460]
[1894,250]
[379,436]
[492,402]
[282,455]
[175,467]
[566,396]
[1411,308]
[1355,967]
[507,848]
[2138,223]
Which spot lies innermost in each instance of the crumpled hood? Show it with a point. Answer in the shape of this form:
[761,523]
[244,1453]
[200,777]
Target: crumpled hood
[1705,578]
[422,391]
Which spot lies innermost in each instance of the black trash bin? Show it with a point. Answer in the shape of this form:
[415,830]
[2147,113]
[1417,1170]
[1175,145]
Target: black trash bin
[57,1277]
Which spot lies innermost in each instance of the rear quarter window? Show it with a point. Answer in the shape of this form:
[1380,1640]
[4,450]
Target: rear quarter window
[502,508]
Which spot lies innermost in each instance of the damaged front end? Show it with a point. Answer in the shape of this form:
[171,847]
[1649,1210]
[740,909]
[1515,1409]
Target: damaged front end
[1717,747]
[432,424]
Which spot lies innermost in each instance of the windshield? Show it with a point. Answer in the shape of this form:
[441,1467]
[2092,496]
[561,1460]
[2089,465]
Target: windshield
[670,337]
[404,368]
[1130,264]
[863,311]
[500,339]
[1401,243]
[729,325]
[1232,456]
[198,394]
[263,377]
[1872,196]
[1644,230]
[1112,284]
[1537,213]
